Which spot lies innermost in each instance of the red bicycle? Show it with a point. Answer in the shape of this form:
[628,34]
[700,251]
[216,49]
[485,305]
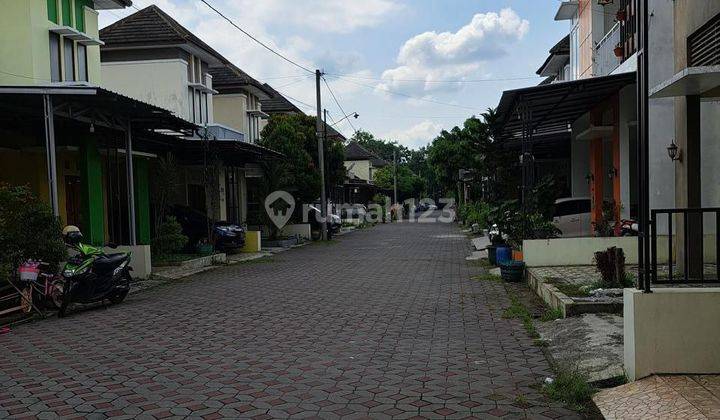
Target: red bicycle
[35,289]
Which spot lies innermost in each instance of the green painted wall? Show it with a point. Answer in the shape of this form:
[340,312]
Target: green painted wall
[142,200]
[93,209]
[52,11]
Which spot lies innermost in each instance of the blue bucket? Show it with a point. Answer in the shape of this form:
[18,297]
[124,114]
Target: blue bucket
[503,254]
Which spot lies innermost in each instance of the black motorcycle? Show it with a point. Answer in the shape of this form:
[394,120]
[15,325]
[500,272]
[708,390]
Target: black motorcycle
[91,275]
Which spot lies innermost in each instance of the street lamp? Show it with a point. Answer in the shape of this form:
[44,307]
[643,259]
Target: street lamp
[352,114]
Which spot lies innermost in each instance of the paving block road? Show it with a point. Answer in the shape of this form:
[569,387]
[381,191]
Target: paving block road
[385,322]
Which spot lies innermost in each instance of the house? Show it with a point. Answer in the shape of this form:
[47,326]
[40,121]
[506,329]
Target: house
[670,329]
[83,148]
[150,56]
[361,166]
[586,100]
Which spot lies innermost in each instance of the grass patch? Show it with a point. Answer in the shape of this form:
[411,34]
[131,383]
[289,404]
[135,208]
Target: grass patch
[487,277]
[551,315]
[518,311]
[572,389]
[522,402]
[568,289]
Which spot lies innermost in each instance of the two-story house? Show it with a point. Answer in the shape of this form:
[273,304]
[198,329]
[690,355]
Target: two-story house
[150,56]
[588,96]
[84,149]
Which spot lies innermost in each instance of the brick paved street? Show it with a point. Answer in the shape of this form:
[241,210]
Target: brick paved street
[386,322]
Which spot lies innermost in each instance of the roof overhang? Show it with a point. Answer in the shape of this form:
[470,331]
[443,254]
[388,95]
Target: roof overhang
[567,10]
[75,35]
[92,104]
[257,113]
[231,152]
[692,81]
[112,4]
[552,108]
[553,64]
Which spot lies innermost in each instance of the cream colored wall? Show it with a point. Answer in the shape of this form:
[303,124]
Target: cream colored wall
[671,330]
[25,38]
[231,110]
[161,83]
[24,44]
[361,168]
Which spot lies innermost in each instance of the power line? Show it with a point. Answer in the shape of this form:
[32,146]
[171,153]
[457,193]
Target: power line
[255,39]
[294,99]
[509,79]
[406,95]
[338,103]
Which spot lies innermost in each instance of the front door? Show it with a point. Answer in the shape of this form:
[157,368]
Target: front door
[72,201]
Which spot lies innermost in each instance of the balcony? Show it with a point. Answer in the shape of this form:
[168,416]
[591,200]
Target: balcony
[605,60]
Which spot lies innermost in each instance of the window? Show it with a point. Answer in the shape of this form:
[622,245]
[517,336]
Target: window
[55,75]
[198,107]
[191,104]
[82,62]
[574,54]
[205,105]
[69,59]
[52,11]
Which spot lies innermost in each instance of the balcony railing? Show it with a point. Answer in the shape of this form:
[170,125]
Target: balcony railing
[605,59]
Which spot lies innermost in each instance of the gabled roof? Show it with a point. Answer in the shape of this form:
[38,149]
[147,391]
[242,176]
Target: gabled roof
[230,76]
[559,50]
[354,151]
[278,104]
[151,27]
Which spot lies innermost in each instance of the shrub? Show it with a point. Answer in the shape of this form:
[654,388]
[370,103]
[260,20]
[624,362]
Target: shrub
[572,388]
[169,239]
[611,265]
[28,230]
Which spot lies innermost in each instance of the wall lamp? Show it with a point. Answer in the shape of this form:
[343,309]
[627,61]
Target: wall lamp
[612,173]
[589,178]
[674,152]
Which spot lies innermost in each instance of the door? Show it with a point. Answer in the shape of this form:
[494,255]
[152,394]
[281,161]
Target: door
[72,201]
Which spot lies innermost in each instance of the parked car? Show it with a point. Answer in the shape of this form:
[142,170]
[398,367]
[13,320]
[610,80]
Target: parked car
[224,235]
[572,216]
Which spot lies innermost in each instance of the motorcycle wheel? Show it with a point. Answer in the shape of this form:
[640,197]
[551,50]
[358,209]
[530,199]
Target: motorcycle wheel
[56,293]
[121,295]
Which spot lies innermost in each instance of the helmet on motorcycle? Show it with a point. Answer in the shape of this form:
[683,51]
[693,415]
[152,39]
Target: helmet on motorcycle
[72,235]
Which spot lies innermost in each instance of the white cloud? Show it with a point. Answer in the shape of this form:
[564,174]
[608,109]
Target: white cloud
[453,55]
[416,136]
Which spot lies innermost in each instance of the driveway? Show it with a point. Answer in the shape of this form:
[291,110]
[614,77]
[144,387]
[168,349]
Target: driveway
[385,322]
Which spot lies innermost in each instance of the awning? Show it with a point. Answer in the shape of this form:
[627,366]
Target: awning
[693,81]
[91,104]
[230,152]
[552,108]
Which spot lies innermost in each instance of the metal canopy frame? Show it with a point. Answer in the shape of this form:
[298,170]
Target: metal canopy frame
[555,106]
[96,106]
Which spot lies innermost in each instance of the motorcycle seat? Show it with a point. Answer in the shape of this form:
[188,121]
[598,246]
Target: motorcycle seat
[109,262]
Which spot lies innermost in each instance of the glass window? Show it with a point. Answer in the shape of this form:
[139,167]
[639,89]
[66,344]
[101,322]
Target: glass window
[69,59]
[82,62]
[55,75]
[205,105]
[191,104]
[198,108]
[52,10]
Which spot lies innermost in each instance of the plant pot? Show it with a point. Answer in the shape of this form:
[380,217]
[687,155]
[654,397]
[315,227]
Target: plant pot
[517,255]
[492,254]
[503,254]
[512,271]
[618,52]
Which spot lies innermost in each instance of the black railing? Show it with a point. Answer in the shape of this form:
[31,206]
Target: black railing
[692,220]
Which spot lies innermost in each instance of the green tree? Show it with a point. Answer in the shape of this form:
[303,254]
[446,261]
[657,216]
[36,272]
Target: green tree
[298,172]
[409,185]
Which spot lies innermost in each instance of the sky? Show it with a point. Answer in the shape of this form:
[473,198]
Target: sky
[409,68]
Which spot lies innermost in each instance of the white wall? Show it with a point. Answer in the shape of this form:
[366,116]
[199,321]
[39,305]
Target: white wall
[231,110]
[161,83]
[672,330]
[361,168]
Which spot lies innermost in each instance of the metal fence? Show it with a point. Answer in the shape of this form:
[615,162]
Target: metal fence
[605,59]
[692,219]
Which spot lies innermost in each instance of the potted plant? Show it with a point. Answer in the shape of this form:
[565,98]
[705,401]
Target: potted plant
[204,247]
[621,15]
[618,50]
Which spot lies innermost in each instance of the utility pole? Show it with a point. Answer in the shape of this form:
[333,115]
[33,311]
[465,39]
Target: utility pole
[395,199]
[321,157]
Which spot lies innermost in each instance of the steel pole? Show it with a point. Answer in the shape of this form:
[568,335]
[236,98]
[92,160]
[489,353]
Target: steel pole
[49,115]
[130,183]
[321,157]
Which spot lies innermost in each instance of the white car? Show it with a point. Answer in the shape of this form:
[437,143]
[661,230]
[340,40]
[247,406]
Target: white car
[572,216]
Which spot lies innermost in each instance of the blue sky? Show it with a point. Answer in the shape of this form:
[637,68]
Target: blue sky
[393,57]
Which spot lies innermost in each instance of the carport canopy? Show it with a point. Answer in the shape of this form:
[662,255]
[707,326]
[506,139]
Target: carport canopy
[550,109]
